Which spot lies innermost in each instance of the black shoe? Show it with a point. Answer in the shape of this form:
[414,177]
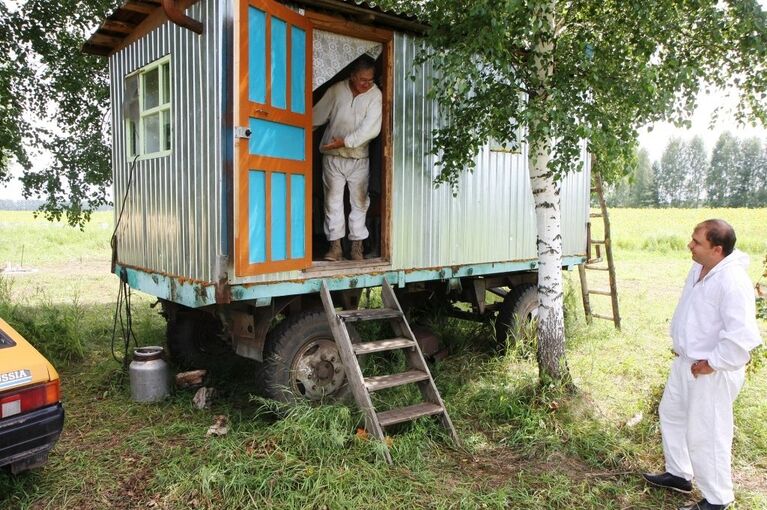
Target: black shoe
[669,481]
[703,505]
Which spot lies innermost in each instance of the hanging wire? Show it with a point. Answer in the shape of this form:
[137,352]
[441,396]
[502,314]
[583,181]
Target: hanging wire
[123,303]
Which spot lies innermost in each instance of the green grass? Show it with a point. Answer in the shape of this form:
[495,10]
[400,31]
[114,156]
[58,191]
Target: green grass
[524,446]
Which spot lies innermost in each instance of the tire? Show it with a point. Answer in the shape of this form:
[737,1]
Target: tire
[196,340]
[520,303]
[302,362]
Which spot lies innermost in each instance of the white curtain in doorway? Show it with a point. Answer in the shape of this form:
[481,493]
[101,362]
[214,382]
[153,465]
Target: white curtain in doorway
[333,52]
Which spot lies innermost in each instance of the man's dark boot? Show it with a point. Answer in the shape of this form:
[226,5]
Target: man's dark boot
[334,253]
[669,481]
[703,505]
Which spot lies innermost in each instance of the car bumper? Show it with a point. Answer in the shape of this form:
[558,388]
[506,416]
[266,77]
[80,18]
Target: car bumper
[26,439]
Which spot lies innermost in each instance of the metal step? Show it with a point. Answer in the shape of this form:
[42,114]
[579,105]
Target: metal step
[382,345]
[381,382]
[600,292]
[371,314]
[403,414]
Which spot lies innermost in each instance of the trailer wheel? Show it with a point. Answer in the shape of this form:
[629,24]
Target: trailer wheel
[196,340]
[302,361]
[520,303]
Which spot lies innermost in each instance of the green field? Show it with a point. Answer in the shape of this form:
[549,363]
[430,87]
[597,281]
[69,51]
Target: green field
[524,447]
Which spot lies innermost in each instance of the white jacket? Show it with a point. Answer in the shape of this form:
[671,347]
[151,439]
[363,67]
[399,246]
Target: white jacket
[715,319]
[355,119]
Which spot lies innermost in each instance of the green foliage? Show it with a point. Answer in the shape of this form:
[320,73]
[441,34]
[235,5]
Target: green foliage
[586,70]
[46,77]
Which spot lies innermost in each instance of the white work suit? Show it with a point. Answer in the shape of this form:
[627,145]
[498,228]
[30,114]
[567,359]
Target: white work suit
[357,120]
[715,320]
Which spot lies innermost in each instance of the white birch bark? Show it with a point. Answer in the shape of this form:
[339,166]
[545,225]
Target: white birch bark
[551,327]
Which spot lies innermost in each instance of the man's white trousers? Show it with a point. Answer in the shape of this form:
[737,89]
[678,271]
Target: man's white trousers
[337,172]
[697,427]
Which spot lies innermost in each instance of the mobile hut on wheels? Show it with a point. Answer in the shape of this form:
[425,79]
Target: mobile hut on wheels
[217,177]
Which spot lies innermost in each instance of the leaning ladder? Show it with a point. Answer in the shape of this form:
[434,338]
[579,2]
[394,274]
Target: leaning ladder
[417,371]
[594,263]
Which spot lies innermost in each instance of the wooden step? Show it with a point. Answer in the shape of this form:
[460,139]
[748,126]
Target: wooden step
[605,317]
[403,414]
[596,260]
[381,382]
[600,292]
[598,241]
[595,215]
[382,345]
[371,314]
[596,268]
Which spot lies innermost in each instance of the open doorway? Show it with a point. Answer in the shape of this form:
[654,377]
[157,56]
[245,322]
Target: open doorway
[375,246]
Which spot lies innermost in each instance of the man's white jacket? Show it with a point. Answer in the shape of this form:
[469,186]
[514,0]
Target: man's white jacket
[357,120]
[715,319]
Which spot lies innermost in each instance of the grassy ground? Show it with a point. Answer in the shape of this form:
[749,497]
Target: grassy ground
[524,446]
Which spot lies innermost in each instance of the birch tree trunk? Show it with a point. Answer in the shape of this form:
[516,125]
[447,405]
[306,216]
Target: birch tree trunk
[552,364]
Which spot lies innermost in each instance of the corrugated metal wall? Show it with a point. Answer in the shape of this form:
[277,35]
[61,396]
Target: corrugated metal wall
[491,219]
[172,220]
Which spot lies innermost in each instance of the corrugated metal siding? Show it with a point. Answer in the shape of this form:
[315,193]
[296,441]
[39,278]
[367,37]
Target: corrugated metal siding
[172,220]
[492,217]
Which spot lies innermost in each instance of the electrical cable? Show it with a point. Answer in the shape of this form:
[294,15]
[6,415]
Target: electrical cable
[123,291]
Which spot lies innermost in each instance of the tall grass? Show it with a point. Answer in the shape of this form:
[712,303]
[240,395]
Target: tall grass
[524,446]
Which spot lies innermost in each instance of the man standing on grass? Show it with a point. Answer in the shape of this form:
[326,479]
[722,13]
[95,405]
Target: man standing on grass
[713,329]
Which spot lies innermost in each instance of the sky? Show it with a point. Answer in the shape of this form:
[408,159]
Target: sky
[656,140]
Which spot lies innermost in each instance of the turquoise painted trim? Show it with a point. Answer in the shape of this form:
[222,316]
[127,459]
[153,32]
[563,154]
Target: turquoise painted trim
[279,63]
[297,216]
[297,69]
[279,230]
[276,140]
[193,295]
[256,55]
[196,294]
[256,216]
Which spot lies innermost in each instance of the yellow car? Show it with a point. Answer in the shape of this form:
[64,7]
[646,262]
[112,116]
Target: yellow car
[31,414]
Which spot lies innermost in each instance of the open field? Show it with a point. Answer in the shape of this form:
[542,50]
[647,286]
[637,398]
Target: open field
[524,447]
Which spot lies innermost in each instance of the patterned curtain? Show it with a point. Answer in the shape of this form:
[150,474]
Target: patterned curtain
[333,52]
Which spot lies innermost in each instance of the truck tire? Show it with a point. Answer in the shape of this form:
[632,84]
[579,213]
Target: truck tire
[196,340]
[301,361]
[520,303]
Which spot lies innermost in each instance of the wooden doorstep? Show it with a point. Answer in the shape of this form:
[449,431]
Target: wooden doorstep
[382,345]
[381,382]
[403,414]
[368,314]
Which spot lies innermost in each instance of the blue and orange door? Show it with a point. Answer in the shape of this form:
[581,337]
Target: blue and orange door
[274,170]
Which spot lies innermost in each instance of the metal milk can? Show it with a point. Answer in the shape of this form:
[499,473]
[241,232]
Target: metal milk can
[149,375]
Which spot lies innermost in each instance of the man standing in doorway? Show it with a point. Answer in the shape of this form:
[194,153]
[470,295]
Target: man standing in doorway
[352,110]
[713,329]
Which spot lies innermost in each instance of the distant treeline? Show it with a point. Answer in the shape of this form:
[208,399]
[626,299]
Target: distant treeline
[30,205]
[734,176]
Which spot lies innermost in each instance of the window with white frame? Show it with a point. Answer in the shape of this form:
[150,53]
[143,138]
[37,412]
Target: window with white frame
[147,110]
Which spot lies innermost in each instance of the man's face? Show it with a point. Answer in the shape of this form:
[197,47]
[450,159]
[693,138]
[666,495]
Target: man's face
[362,81]
[702,251]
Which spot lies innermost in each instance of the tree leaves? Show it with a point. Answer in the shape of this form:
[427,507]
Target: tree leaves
[58,105]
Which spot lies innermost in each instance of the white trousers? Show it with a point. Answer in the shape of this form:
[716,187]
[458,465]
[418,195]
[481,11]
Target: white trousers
[336,173]
[697,427]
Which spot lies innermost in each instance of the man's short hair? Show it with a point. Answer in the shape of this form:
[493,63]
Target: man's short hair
[363,63]
[719,233]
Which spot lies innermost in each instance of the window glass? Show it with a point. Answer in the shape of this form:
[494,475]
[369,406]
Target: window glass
[166,130]
[151,89]
[5,341]
[165,83]
[152,133]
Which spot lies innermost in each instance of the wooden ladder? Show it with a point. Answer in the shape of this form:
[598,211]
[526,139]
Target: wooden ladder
[417,371]
[594,263]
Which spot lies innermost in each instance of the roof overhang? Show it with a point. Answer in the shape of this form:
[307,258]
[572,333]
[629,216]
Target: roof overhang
[137,17]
